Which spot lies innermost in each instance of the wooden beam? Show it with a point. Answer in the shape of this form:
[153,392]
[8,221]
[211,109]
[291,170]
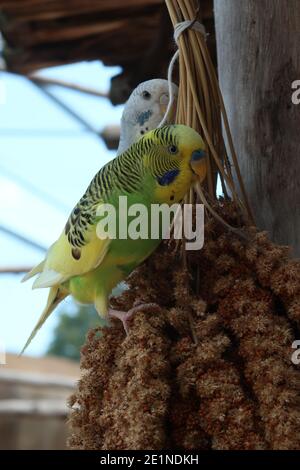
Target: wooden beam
[39,9]
[15,270]
[69,85]
[259,58]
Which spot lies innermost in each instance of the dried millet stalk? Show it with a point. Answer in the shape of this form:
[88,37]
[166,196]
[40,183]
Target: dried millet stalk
[124,407]
[135,402]
[97,360]
[264,345]
[235,389]
[284,282]
[185,423]
[246,278]
[226,414]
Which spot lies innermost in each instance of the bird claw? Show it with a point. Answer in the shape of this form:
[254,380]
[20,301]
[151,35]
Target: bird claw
[125,317]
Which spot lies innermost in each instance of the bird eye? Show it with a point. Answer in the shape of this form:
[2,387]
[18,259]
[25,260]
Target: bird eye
[173,149]
[146,95]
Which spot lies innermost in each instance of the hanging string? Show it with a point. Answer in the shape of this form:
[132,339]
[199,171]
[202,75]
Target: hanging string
[178,30]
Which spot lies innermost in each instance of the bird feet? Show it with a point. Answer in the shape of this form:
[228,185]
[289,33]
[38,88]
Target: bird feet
[126,316]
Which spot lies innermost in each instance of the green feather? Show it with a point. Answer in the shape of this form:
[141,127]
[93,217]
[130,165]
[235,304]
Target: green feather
[136,174]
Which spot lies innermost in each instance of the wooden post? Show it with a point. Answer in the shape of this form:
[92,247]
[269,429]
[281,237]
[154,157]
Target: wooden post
[258,59]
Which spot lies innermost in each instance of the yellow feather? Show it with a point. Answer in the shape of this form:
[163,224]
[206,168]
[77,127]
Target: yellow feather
[37,269]
[60,257]
[54,298]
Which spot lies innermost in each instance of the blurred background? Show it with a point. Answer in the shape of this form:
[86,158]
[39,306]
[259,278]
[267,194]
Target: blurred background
[47,159]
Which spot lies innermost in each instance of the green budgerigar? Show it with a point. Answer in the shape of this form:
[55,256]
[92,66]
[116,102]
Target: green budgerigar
[159,168]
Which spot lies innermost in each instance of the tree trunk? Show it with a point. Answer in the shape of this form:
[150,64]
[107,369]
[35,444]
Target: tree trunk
[258,43]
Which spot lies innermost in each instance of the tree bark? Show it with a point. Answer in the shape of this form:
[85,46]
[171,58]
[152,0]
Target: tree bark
[258,44]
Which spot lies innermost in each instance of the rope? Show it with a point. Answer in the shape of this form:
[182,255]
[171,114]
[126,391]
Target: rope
[178,30]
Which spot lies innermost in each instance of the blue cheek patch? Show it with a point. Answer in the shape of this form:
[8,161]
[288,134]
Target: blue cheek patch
[168,177]
[144,117]
[198,155]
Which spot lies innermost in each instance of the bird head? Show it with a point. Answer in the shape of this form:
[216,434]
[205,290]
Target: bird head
[176,158]
[144,111]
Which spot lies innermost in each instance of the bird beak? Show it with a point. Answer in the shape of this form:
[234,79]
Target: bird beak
[198,163]
[163,104]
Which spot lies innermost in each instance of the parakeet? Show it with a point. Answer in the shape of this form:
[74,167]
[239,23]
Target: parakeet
[144,110]
[159,168]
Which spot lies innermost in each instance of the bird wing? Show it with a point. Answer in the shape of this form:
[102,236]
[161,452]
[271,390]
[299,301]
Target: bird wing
[78,249]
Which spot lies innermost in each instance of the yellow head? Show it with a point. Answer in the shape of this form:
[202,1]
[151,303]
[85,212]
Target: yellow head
[176,157]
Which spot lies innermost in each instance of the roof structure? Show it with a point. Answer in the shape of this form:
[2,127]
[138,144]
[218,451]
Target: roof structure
[134,34]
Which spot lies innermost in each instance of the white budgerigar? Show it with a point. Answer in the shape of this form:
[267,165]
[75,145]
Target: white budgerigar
[144,110]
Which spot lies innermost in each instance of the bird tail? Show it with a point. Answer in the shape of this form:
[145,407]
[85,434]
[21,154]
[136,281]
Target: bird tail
[56,295]
[37,269]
